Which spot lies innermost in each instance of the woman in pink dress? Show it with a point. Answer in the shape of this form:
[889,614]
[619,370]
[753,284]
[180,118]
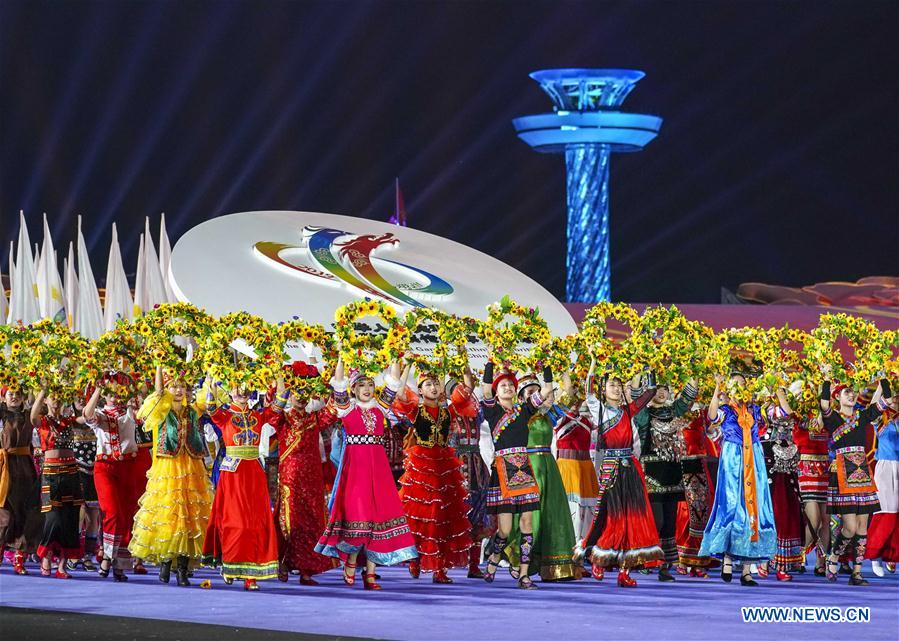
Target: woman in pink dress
[366,511]
[300,514]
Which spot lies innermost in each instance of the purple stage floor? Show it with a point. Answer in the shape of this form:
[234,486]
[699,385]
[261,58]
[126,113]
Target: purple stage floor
[410,610]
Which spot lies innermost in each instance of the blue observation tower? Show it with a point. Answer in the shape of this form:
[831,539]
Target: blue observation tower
[587,126]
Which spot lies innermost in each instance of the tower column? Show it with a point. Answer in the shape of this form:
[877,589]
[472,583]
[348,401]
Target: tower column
[587,262]
[587,125]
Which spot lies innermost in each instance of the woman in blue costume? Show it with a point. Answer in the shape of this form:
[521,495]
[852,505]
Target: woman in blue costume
[741,522]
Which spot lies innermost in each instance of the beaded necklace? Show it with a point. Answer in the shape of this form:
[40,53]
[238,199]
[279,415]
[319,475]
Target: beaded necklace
[850,424]
[508,418]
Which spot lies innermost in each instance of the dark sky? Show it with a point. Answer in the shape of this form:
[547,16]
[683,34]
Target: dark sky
[778,160]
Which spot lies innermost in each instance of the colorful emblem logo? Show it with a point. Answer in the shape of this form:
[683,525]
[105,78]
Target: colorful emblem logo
[355,260]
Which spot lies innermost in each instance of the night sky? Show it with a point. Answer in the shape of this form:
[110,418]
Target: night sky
[778,160]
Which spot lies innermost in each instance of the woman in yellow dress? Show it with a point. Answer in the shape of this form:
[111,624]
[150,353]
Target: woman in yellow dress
[174,509]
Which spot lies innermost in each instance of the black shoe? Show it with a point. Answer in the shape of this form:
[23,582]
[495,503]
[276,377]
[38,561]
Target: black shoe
[119,576]
[165,571]
[856,579]
[820,572]
[845,569]
[72,564]
[182,571]
[746,579]
[665,575]
[727,571]
[104,572]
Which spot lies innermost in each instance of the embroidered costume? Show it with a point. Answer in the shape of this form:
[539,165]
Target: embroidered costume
[623,532]
[552,528]
[366,511]
[20,523]
[241,532]
[115,476]
[782,462]
[573,433]
[883,531]
[700,467]
[174,509]
[61,498]
[300,516]
[741,522]
[662,447]
[432,488]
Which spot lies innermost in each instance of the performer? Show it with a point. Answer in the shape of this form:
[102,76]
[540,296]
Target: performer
[782,463]
[366,511]
[553,530]
[85,445]
[142,464]
[883,532]
[19,487]
[514,493]
[851,493]
[660,426]
[115,472]
[432,488]
[466,414]
[240,536]
[623,533]
[61,497]
[300,506]
[174,509]
[741,523]
[811,439]
[573,432]
[700,467]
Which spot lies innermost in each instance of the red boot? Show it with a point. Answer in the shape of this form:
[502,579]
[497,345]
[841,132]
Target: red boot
[474,555]
[18,563]
[440,576]
[369,582]
[625,580]
[250,585]
[598,572]
[784,576]
[415,568]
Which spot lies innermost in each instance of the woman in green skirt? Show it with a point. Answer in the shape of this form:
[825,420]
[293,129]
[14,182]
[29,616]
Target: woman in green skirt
[553,528]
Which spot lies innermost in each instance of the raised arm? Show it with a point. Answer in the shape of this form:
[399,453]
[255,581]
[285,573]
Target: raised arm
[38,405]
[712,410]
[686,398]
[90,408]
[783,401]
[824,397]
[467,376]
[487,381]
[158,380]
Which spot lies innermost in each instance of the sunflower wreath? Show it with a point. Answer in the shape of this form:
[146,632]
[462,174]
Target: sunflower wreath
[370,353]
[222,363]
[504,339]
[298,331]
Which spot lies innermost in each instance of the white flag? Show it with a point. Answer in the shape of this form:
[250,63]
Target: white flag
[49,284]
[88,314]
[23,300]
[165,261]
[118,302]
[71,287]
[155,291]
[140,281]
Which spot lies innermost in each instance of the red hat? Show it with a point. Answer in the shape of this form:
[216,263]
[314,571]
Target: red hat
[836,390]
[503,374]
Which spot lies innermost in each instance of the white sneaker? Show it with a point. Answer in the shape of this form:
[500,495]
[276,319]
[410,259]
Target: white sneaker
[877,567]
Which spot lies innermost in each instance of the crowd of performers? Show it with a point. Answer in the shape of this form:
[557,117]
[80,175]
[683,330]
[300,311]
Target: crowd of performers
[552,479]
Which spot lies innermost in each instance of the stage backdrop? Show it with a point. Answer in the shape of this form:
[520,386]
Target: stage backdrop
[285,264]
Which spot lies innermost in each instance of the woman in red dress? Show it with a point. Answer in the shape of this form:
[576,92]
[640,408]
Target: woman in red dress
[300,510]
[432,487]
[700,471]
[241,532]
[366,511]
[623,533]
